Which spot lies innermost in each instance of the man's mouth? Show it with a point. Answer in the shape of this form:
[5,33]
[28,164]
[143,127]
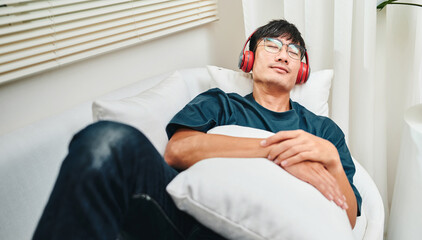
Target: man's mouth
[280,69]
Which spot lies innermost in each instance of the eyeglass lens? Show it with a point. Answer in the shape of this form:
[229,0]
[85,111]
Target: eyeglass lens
[274,46]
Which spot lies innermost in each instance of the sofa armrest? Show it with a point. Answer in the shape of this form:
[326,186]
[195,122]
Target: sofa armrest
[30,158]
[372,204]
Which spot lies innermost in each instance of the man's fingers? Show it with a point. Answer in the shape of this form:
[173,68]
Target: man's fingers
[291,160]
[280,148]
[280,136]
[319,177]
[325,186]
[325,191]
[328,186]
[339,198]
[294,148]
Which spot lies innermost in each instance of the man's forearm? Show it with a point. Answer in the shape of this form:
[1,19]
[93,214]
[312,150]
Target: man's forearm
[347,190]
[187,147]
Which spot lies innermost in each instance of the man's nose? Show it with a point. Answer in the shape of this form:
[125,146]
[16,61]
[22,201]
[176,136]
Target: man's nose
[282,56]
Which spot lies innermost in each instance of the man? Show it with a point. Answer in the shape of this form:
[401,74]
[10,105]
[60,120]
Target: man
[111,167]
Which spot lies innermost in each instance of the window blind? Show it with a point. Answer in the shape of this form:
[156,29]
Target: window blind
[40,35]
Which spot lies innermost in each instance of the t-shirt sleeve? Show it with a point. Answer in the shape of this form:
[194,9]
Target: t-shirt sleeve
[335,135]
[207,110]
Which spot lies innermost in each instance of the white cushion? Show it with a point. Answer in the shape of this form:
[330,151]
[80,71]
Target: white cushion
[253,198]
[149,111]
[313,94]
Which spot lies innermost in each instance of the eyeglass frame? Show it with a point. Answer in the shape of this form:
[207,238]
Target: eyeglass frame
[280,47]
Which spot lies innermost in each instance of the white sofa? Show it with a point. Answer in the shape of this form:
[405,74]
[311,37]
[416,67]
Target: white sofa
[30,159]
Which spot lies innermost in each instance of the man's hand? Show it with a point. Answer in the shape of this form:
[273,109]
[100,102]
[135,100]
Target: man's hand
[316,175]
[292,147]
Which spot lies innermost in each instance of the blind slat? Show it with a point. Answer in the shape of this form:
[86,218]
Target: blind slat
[7,2]
[19,50]
[53,11]
[33,21]
[57,28]
[97,38]
[94,28]
[78,16]
[83,55]
[36,5]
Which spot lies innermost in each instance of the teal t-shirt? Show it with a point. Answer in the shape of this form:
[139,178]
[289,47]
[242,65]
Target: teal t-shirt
[216,108]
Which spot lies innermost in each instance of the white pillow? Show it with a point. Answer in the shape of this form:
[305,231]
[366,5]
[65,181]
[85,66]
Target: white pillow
[253,198]
[313,94]
[149,111]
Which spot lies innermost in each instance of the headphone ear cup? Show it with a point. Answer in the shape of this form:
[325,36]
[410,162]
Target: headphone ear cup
[247,61]
[300,74]
[308,72]
[303,73]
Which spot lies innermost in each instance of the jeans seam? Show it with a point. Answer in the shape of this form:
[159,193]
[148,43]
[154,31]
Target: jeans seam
[196,228]
[149,198]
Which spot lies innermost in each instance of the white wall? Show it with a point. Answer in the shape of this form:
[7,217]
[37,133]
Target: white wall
[35,97]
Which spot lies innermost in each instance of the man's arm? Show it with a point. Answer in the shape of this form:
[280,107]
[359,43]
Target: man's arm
[186,147]
[293,147]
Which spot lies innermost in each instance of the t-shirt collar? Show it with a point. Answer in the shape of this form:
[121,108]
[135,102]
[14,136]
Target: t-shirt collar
[252,99]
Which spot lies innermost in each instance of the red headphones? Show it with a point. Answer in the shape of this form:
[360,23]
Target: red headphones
[246,60]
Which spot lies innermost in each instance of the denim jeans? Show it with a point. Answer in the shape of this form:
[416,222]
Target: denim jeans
[112,185]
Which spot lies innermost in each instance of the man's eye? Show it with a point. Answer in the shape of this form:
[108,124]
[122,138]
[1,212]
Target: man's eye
[294,53]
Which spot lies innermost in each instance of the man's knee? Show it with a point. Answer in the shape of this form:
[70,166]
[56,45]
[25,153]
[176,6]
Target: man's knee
[108,134]
[101,143]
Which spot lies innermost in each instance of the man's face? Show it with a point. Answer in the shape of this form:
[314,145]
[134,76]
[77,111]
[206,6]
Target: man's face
[275,69]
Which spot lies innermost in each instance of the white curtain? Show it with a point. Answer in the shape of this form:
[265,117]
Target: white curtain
[406,213]
[376,57]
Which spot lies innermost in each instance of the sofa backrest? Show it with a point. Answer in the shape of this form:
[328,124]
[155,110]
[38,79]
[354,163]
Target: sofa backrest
[151,110]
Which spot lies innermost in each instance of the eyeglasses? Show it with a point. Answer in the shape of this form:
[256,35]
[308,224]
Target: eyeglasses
[273,45]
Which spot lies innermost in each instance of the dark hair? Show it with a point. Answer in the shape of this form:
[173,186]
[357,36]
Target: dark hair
[277,28]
